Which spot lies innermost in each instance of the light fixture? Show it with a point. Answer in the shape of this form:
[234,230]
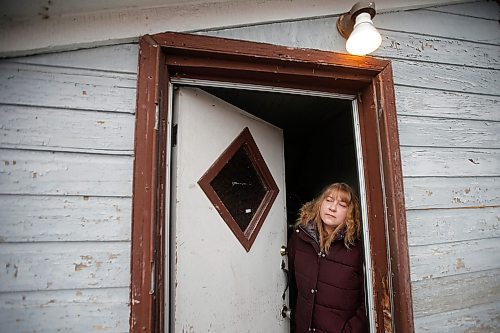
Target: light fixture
[357,27]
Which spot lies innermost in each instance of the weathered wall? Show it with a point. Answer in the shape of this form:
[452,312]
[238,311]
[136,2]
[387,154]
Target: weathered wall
[67,124]
[446,63]
[66,129]
[34,26]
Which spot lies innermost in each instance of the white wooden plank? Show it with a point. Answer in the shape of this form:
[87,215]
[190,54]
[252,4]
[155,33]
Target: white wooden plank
[436,192]
[399,45]
[434,103]
[450,162]
[18,9]
[64,265]
[81,310]
[118,23]
[435,132]
[66,88]
[438,260]
[432,23]
[36,172]
[435,226]
[310,34]
[455,292]
[64,218]
[115,58]
[484,9]
[68,7]
[66,130]
[477,319]
[302,34]
[446,77]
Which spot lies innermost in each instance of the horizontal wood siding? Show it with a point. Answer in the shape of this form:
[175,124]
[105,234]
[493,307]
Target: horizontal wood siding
[44,128]
[440,104]
[68,88]
[66,155]
[446,67]
[448,224]
[79,310]
[66,25]
[447,76]
[76,218]
[54,173]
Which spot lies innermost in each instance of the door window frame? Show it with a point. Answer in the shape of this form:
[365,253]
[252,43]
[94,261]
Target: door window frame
[177,55]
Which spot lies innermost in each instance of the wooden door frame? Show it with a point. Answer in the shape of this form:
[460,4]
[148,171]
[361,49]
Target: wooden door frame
[167,55]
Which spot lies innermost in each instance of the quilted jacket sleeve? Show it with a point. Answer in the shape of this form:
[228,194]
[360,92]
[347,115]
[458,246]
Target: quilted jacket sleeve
[359,322]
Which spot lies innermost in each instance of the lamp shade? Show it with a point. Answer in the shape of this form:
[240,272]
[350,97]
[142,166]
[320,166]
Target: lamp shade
[364,38]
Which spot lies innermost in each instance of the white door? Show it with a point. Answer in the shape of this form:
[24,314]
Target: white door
[219,282]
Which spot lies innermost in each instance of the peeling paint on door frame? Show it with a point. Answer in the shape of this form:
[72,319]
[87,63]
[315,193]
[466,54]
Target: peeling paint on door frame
[168,55]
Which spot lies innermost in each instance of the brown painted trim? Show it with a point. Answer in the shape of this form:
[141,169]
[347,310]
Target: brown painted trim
[204,45]
[375,206]
[395,205]
[201,57]
[160,229]
[214,58]
[144,200]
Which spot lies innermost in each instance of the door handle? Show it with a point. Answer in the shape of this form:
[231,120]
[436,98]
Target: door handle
[285,311]
[285,270]
[283,250]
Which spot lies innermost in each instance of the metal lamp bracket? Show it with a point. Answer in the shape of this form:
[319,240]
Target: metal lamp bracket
[345,23]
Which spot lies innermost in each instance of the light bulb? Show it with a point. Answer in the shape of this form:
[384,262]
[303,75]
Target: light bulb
[364,38]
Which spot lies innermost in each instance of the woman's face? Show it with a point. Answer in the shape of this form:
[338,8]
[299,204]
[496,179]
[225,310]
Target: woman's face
[333,212]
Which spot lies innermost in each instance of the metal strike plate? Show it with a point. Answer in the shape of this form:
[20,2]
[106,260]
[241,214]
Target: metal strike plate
[283,250]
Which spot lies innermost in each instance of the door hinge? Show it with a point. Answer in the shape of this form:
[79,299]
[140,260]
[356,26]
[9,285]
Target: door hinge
[174,135]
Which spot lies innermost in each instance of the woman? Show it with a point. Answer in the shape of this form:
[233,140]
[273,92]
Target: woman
[326,261]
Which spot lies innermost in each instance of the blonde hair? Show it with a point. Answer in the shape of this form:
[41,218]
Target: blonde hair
[310,212]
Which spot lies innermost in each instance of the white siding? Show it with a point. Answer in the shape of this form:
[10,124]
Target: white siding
[446,63]
[66,153]
[50,26]
[447,75]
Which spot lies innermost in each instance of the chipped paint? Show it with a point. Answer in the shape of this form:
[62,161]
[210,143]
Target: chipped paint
[79,267]
[460,263]
[52,301]
[101,328]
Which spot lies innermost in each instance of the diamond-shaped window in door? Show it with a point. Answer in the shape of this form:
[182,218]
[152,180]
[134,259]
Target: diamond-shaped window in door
[241,188]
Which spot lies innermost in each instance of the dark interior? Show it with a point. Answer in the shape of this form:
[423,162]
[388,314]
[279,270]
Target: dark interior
[318,135]
[240,188]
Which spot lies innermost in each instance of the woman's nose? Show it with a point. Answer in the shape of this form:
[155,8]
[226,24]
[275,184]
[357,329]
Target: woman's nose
[333,206]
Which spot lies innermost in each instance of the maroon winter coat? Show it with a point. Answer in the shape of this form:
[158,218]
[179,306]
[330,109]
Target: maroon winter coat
[330,287]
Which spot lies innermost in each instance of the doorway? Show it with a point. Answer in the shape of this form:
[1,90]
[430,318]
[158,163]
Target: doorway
[368,80]
[307,140]
[319,144]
